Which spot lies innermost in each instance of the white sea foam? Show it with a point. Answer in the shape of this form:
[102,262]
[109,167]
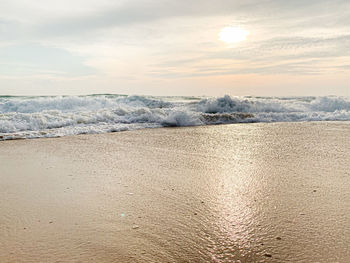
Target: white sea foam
[32,117]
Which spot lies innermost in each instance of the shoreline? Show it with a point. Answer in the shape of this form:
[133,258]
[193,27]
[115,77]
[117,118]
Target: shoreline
[176,127]
[264,192]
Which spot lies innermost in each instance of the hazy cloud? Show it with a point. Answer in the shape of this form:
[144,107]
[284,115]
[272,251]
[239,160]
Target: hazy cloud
[147,39]
[35,59]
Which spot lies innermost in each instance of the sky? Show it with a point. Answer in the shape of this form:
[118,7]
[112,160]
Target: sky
[173,47]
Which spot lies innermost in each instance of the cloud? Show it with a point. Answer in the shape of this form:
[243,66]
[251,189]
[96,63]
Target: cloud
[34,59]
[159,40]
[141,12]
[285,55]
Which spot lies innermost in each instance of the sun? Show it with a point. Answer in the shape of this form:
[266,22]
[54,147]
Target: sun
[232,35]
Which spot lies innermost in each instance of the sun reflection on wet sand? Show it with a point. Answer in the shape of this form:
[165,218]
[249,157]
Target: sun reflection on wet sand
[234,192]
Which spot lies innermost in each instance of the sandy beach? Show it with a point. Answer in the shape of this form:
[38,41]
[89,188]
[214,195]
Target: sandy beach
[250,192]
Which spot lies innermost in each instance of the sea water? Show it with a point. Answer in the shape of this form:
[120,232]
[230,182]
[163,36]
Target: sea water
[54,116]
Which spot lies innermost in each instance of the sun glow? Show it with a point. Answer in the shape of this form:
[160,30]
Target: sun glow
[233,34]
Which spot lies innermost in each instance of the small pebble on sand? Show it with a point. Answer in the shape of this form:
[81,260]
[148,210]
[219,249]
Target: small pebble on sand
[268,255]
[135,227]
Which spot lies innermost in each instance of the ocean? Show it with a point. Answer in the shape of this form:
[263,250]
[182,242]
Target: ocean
[56,116]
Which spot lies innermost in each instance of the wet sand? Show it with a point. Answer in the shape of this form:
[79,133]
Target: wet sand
[252,192]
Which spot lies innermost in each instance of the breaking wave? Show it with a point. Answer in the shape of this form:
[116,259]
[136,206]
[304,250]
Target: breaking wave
[33,117]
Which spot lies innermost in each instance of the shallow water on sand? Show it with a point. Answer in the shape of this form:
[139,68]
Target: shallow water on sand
[251,193]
